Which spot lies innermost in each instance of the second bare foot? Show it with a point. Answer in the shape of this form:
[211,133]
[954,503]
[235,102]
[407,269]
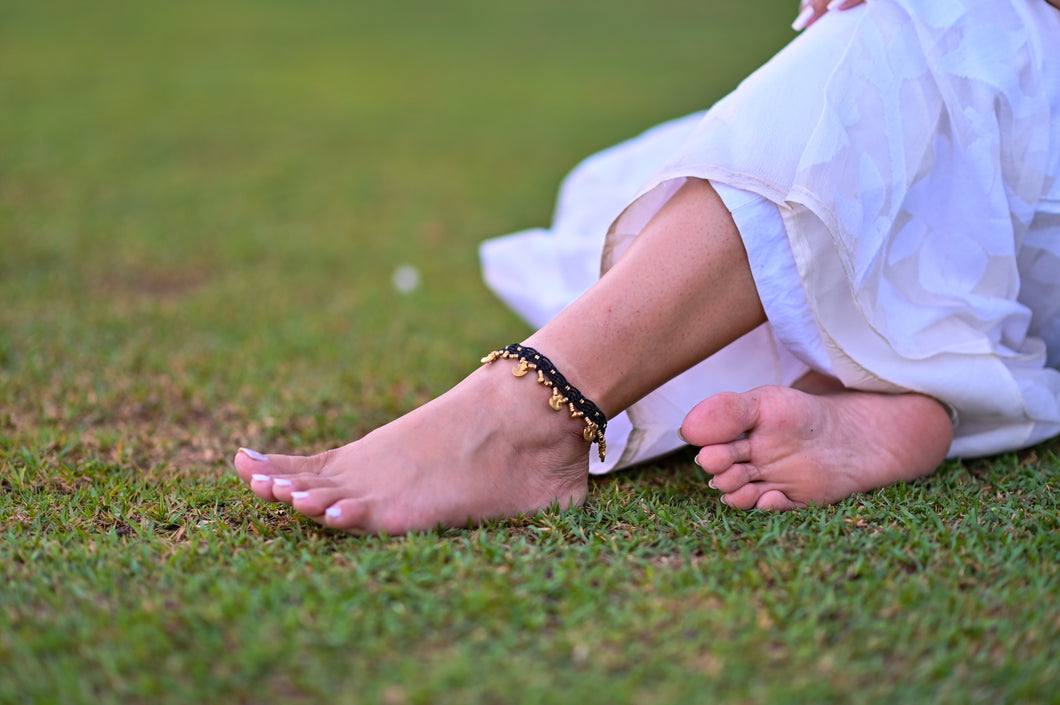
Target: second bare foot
[782,448]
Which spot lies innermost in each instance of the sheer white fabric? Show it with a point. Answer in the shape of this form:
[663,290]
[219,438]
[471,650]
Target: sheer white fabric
[910,152]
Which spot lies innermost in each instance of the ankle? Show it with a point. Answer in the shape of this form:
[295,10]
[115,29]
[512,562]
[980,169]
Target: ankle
[564,397]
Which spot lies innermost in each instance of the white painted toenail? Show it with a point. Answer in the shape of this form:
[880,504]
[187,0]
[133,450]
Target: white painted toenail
[334,513]
[281,482]
[681,436]
[253,454]
[260,478]
[299,495]
[711,484]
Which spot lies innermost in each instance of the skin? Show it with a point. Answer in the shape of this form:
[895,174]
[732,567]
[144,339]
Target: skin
[817,443]
[491,447]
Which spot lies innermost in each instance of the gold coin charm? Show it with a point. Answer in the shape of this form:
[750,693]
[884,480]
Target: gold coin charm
[563,394]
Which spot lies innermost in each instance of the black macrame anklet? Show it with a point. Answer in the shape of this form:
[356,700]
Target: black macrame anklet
[563,392]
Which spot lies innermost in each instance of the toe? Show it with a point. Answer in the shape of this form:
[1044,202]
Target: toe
[315,502]
[350,515]
[249,463]
[719,419]
[777,501]
[715,459]
[760,495]
[283,486]
[746,497]
[261,485]
[736,477]
[295,464]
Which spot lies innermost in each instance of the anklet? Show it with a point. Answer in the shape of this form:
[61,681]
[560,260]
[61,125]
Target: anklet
[563,392]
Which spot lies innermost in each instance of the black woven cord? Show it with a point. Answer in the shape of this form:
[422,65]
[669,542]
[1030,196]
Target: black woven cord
[580,401]
[575,400]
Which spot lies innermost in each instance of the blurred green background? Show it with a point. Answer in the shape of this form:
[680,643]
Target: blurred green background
[218,193]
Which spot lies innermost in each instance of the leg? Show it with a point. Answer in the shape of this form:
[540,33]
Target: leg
[780,448]
[490,447]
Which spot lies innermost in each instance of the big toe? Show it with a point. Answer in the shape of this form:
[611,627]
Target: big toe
[721,418]
[250,463]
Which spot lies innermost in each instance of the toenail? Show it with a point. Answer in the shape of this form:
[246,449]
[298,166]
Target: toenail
[334,512]
[253,454]
[281,482]
[681,436]
[300,495]
[711,484]
[260,478]
[695,459]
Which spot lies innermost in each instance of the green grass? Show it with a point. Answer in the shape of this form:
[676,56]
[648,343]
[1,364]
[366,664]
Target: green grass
[201,205]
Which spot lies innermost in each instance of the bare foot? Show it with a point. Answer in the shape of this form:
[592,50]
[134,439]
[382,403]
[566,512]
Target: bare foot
[489,448]
[782,448]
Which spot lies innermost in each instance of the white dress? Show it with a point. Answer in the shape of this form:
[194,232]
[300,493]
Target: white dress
[895,176]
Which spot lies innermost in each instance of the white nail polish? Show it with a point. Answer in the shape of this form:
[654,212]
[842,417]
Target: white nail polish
[300,495]
[260,478]
[334,513]
[281,482]
[711,484]
[803,19]
[834,5]
[695,459]
[681,436]
[253,454]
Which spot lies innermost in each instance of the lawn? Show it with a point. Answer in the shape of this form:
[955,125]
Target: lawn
[202,206]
